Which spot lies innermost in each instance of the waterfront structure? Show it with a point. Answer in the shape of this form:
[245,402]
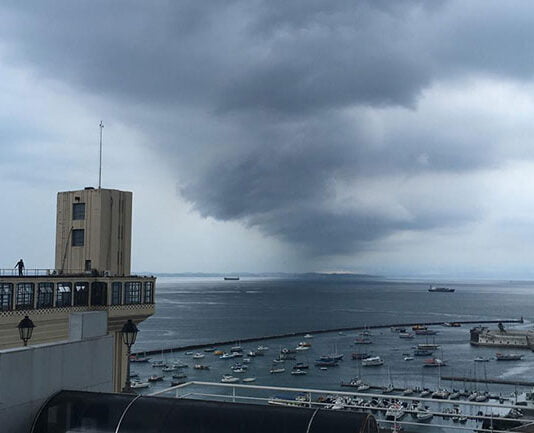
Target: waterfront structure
[483,336]
[92,273]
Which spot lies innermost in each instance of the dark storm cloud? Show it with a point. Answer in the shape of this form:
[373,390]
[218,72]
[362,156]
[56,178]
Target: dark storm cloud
[282,75]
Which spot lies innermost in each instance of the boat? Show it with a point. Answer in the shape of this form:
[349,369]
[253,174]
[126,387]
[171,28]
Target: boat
[406,335]
[409,358]
[441,289]
[332,357]
[201,367]
[388,389]
[326,363]
[302,348]
[363,340]
[198,355]
[300,365]
[179,376]
[188,353]
[218,352]
[363,387]
[359,355]
[418,327]
[425,393]
[228,378]
[508,356]
[422,413]
[480,359]
[398,329]
[308,336]
[299,372]
[425,332]
[248,379]
[434,362]
[275,370]
[177,382]
[139,359]
[407,391]
[209,349]
[239,370]
[168,368]
[231,278]
[180,365]
[236,349]
[156,364]
[227,355]
[441,394]
[262,348]
[155,378]
[279,360]
[138,385]
[374,361]
[428,346]
[422,352]
[395,412]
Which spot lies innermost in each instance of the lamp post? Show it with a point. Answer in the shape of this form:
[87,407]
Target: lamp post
[129,334]
[25,329]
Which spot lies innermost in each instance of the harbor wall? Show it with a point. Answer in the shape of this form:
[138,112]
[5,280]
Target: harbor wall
[31,375]
[316,331]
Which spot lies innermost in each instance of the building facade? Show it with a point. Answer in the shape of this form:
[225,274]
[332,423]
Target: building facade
[92,273]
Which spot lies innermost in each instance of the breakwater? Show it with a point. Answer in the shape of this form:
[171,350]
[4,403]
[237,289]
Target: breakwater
[486,380]
[317,331]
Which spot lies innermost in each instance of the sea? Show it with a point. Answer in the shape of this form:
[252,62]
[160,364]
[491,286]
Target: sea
[193,311]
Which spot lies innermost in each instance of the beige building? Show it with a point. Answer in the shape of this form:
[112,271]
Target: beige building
[93,248]
[94,231]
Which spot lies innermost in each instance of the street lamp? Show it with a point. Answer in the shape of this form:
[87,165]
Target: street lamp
[129,334]
[25,329]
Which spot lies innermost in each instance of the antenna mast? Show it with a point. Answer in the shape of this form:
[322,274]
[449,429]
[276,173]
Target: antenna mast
[100,166]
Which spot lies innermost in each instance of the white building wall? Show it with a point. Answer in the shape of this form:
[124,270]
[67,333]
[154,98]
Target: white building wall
[29,376]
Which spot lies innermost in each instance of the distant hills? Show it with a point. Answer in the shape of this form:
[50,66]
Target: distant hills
[282,275]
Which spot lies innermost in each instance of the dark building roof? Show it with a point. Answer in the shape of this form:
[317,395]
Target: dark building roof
[126,413]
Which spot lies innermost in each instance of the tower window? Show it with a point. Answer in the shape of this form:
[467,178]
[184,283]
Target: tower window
[78,211]
[78,237]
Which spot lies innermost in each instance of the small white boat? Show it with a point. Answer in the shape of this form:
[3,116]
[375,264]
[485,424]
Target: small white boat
[227,355]
[423,414]
[198,355]
[228,378]
[480,359]
[407,391]
[169,368]
[137,384]
[363,387]
[373,361]
[301,348]
[249,379]
[188,353]
[409,358]
[277,370]
[308,336]
[395,412]
[388,389]
[323,368]
[298,372]
[156,364]
[262,348]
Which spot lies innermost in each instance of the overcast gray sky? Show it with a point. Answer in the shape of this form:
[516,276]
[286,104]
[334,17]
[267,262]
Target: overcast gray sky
[379,136]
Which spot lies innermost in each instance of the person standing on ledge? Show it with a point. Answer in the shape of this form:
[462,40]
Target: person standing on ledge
[20,265]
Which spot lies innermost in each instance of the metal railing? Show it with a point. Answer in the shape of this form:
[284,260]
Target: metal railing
[487,413]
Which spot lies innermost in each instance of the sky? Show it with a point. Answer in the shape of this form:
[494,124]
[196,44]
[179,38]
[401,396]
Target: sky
[375,136]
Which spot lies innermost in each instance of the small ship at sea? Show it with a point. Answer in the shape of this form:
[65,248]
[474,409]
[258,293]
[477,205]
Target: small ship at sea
[440,289]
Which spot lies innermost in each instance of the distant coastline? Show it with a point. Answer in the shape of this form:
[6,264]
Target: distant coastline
[283,275]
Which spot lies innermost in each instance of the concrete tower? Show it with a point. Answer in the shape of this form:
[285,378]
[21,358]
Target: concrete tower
[93,232]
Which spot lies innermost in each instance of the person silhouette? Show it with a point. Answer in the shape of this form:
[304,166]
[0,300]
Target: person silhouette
[20,265]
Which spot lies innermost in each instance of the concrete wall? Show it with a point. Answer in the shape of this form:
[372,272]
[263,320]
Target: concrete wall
[29,376]
[107,226]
